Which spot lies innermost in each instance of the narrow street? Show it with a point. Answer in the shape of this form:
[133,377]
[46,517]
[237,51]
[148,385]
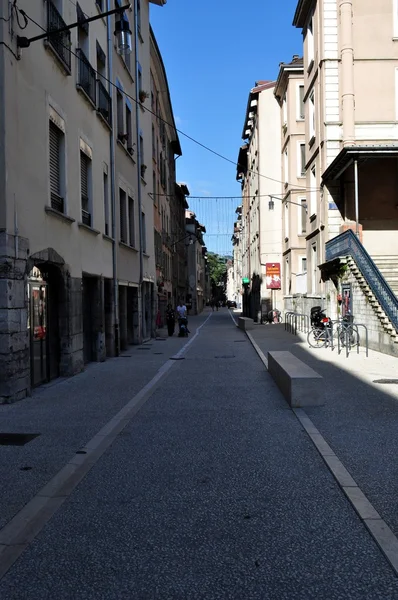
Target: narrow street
[211,489]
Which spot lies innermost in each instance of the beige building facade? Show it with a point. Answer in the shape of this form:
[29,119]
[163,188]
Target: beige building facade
[259,171]
[76,214]
[289,92]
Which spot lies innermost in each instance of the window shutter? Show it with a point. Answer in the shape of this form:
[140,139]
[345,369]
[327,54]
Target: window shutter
[55,135]
[84,175]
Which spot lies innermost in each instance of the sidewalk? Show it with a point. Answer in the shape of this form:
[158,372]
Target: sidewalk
[67,412]
[360,417]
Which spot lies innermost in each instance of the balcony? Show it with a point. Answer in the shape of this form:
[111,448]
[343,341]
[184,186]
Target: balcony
[104,105]
[59,43]
[86,78]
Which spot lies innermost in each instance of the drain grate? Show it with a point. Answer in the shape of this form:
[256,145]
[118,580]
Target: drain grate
[158,352]
[148,348]
[176,358]
[239,341]
[385,381]
[226,356]
[17,439]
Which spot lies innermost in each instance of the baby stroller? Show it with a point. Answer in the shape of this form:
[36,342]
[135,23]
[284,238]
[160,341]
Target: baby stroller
[183,327]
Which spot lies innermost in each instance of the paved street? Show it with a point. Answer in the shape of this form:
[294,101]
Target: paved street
[212,490]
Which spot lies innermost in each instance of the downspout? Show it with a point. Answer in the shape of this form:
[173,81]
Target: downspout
[347,73]
[139,162]
[113,179]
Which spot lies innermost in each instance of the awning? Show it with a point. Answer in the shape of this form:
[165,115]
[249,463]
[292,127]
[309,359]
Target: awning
[348,155]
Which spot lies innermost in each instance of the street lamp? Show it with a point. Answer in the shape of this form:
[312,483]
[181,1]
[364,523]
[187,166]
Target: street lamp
[122,31]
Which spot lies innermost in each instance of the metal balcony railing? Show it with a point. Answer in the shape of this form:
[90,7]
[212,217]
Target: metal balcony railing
[60,43]
[104,105]
[86,77]
[348,244]
[86,218]
[57,203]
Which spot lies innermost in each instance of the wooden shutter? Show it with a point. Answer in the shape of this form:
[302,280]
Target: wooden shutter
[55,166]
[84,170]
[123,216]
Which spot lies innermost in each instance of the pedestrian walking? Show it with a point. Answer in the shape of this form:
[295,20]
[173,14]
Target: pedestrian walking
[170,319]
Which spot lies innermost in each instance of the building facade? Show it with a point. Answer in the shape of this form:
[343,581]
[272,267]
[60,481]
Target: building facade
[259,171]
[76,215]
[197,264]
[168,207]
[289,92]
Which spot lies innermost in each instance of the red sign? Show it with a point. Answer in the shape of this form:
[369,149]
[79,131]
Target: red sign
[273,276]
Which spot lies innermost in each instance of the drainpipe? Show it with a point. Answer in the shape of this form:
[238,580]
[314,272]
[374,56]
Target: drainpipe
[113,179]
[347,73]
[139,162]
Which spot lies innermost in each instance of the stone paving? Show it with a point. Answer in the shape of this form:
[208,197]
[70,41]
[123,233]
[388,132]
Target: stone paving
[360,417]
[212,491]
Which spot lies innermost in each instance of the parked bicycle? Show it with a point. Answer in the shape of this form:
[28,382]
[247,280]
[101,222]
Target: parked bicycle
[320,333]
[348,332]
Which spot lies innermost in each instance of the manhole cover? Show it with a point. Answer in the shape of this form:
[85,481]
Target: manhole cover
[17,439]
[385,381]
[226,356]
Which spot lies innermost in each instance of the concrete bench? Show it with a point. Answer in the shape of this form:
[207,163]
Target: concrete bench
[245,323]
[300,384]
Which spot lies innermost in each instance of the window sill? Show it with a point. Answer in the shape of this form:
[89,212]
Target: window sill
[146,255]
[55,213]
[312,218]
[105,122]
[86,96]
[126,151]
[301,175]
[107,237]
[88,228]
[311,142]
[128,247]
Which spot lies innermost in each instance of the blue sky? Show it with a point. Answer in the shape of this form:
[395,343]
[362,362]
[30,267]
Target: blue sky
[214,51]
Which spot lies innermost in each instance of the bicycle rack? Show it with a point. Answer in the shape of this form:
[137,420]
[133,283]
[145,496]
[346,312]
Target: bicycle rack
[347,338]
[294,321]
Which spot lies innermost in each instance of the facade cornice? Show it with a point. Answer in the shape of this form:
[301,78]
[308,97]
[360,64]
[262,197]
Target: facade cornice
[283,77]
[302,11]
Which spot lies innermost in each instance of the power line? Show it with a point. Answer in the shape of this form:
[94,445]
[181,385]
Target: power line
[163,120]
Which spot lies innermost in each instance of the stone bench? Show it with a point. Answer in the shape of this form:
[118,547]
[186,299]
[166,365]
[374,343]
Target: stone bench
[300,384]
[245,323]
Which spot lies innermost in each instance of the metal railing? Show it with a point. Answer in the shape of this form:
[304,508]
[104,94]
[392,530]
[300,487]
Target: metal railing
[104,100]
[57,203]
[86,218]
[347,244]
[59,42]
[297,322]
[86,77]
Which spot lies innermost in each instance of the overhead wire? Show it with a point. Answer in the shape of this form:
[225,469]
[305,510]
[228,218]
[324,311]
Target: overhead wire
[186,135]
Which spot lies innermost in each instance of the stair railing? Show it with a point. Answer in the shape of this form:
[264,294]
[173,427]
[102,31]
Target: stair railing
[348,244]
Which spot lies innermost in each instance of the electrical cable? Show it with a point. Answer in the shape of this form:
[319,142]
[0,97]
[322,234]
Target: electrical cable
[186,135]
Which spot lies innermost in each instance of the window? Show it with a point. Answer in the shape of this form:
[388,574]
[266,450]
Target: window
[131,222]
[314,261]
[310,42]
[313,191]
[301,170]
[85,188]
[284,110]
[140,88]
[100,5]
[129,137]
[57,158]
[143,232]
[106,203]
[303,264]
[286,211]
[153,143]
[302,220]
[286,167]
[120,116]
[60,43]
[123,216]
[139,16]
[300,101]
[154,188]
[312,115]
[395,19]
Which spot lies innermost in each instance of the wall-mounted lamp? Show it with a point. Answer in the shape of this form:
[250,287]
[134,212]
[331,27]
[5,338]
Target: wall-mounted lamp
[271,204]
[122,30]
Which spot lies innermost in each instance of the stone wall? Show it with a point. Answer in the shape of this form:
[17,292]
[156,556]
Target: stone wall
[14,338]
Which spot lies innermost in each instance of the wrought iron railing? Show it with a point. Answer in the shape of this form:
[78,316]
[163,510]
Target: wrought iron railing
[104,103]
[86,218]
[57,203]
[86,78]
[59,42]
[348,244]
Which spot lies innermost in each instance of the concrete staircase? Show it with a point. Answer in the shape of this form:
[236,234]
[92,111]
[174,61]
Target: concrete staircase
[383,319]
[388,267]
